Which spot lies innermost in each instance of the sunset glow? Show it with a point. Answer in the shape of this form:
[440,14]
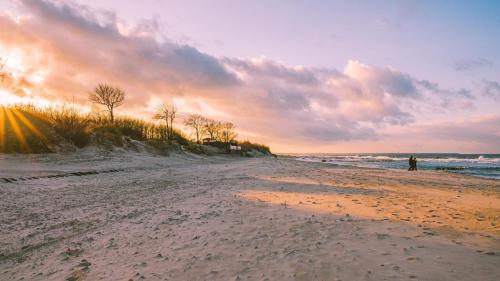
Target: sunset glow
[326,76]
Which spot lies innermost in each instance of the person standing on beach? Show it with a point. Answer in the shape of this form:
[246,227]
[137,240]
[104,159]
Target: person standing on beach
[410,162]
[413,163]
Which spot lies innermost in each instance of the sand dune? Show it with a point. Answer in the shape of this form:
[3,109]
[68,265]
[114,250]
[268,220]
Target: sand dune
[187,217]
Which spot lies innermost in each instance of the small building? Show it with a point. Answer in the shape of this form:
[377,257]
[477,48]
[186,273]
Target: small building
[231,147]
[235,148]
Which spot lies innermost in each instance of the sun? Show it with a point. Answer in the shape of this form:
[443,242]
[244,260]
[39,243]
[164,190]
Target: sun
[7,98]
[13,61]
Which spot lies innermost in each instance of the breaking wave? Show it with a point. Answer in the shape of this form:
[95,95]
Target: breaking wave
[482,165]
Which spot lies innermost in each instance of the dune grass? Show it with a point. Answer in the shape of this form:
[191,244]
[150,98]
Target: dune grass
[31,129]
[26,128]
[247,146]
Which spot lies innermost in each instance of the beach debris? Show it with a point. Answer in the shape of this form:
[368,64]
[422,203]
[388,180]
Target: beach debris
[61,175]
[72,252]
[84,263]
[77,275]
[381,236]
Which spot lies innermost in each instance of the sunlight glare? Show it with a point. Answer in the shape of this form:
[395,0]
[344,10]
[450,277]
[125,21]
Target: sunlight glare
[16,129]
[14,62]
[7,98]
[28,124]
[37,77]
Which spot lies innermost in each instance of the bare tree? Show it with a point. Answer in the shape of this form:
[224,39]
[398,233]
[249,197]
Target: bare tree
[171,118]
[227,132]
[197,123]
[167,112]
[213,129]
[108,96]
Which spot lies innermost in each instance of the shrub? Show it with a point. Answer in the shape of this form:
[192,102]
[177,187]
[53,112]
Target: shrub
[68,123]
[163,147]
[133,128]
[179,137]
[202,149]
[108,136]
[247,146]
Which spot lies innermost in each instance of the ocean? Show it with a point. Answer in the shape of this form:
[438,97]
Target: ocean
[480,165]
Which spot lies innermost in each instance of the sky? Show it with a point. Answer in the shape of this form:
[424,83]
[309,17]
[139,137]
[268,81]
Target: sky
[300,76]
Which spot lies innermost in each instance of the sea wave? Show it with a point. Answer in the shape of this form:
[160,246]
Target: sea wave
[362,158]
[472,164]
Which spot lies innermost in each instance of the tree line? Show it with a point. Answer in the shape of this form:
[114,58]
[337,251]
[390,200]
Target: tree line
[215,130]
[111,97]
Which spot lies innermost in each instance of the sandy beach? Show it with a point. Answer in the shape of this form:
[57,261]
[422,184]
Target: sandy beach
[136,216]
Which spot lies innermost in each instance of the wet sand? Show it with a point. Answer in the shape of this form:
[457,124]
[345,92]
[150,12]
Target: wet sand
[187,217]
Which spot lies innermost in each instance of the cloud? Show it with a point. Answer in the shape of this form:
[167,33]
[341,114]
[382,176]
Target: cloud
[263,67]
[78,37]
[473,134]
[77,47]
[471,64]
[386,80]
[19,86]
[439,98]
[491,89]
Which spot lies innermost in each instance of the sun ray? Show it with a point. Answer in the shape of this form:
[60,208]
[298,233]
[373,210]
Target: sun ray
[2,128]
[17,129]
[29,125]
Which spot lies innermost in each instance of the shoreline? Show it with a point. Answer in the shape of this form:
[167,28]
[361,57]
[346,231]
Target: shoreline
[442,162]
[190,217]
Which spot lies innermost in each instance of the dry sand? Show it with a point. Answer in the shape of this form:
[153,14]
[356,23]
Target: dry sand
[187,217]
